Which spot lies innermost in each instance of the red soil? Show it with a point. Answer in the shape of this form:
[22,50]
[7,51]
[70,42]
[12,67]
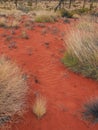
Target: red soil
[66,92]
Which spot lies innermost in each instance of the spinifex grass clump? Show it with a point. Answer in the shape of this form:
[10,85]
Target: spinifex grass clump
[91,110]
[45,18]
[39,107]
[82,49]
[13,90]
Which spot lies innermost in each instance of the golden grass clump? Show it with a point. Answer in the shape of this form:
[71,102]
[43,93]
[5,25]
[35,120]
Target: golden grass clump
[12,24]
[45,18]
[2,22]
[82,49]
[15,24]
[13,89]
[39,107]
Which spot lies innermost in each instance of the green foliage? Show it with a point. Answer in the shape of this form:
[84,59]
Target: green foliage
[69,60]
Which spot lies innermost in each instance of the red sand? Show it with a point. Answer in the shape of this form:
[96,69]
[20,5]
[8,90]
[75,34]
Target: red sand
[65,91]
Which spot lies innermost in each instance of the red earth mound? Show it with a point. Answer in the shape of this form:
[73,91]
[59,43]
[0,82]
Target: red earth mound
[40,58]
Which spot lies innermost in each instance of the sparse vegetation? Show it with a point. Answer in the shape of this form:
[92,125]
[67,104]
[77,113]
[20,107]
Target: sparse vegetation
[39,107]
[13,90]
[37,47]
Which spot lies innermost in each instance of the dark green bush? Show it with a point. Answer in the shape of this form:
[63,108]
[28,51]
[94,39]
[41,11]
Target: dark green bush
[66,13]
[91,111]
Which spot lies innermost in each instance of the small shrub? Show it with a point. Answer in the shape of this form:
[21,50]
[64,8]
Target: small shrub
[45,18]
[13,89]
[69,60]
[81,11]
[91,110]
[66,13]
[39,107]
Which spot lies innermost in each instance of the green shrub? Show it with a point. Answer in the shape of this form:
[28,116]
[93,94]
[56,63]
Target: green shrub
[90,111]
[69,60]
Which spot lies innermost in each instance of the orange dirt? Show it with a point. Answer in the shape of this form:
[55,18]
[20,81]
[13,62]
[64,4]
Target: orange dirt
[39,57]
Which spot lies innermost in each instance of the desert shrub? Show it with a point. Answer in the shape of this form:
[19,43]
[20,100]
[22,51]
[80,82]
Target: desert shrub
[70,60]
[13,89]
[81,11]
[39,107]
[45,18]
[90,111]
[82,45]
[66,13]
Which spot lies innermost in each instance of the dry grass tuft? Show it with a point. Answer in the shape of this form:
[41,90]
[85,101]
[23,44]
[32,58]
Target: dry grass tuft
[82,49]
[15,24]
[2,22]
[45,18]
[13,89]
[39,107]
[24,35]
